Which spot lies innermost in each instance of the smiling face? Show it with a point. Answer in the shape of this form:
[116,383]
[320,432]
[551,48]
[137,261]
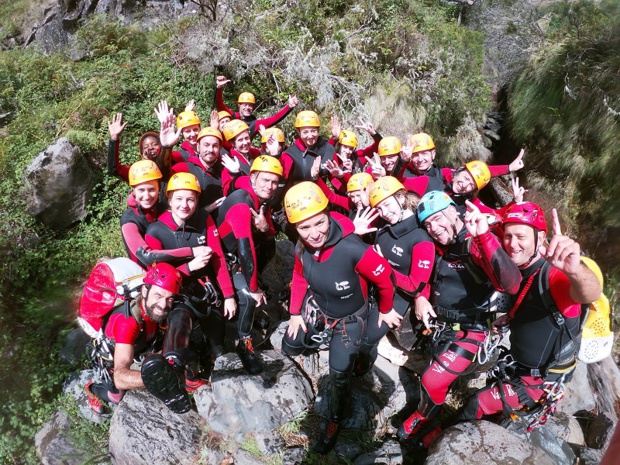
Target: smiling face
[146,194]
[151,147]
[223,122]
[422,161]
[313,231]
[309,136]
[390,210]
[359,198]
[246,109]
[242,142]
[520,242]
[190,133]
[346,151]
[209,150]
[388,162]
[441,226]
[183,204]
[157,302]
[463,183]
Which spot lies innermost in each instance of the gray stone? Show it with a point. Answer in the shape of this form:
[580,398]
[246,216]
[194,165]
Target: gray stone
[483,443]
[144,431]
[240,403]
[600,431]
[389,453]
[59,184]
[74,386]
[589,456]
[73,348]
[578,395]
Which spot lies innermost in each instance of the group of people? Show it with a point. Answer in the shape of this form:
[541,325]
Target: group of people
[384,239]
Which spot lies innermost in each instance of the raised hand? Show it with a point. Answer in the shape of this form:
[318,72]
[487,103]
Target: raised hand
[362,221]
[221,81]
[260,221]
[517,163]
[475,222]
[366,126]
[167,135]
[116,126]
[316,168]
[562,252]
[214,120]
[377,169]
[407,151]
[232,164]
[336,127]
[334,169]
[272,145]
[162,111]
[190,105]
[292,101]
[517,191]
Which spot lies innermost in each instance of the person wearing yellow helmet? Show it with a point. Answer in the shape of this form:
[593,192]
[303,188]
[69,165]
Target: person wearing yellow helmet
[307,152]
[241,153]
[277,134]
[348,160]
[544,316]
[245,226]
[186,236]
[331,274]
[246,103]
[207,168]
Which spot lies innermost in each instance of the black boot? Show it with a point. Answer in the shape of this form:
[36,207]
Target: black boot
[365,360]
[339,400]
[250,361]
[165,380]
[419,424]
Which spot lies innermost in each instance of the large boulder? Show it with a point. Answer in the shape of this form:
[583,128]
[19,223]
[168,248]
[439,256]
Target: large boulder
[144,431]
[240,403]
[59,185]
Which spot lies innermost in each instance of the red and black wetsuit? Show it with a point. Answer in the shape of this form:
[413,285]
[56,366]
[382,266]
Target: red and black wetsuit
[338,276]
[253,122]
[242,243]
[534,336]
[358,157]
[229,180]
[463,280]
[297,160]
[185,152]
[134,224]
[210,179]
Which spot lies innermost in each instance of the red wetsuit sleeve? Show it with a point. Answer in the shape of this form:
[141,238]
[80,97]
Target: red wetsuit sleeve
[331,141]
[218,261]
[448,174]
[367,152]
[240,219]
[417,185]
[176,158]
[219,101]
[332,197]
[299,288]
[180,168]
[270,121]
[254,153]
[499,170]
[227,146]
[423,256]
[122,329]
[560,285]
[155,246]
[287,164]
[114,161]
[487,253]
[376,269]
[133,239]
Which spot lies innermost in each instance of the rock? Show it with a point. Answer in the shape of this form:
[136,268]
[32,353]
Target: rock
[59,184]
[578,395]
[600,430]
[73,348]
[75,387]
[589,456]
[492,135]
[240,403]
[604,378]
[54,445]
[144,431]
[483,443]
[389,453]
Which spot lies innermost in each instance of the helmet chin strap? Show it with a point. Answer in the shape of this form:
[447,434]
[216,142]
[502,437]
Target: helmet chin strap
[535,254]
[453,223]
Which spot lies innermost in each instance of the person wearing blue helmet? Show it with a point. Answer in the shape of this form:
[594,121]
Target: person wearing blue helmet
[470,265]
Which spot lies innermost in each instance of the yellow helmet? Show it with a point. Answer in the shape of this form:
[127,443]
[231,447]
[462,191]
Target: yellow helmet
[183,181]
[389,146]
[421,142]
[359,181]
[480,172]
[383,188]
[233,128]
[187,118]
[303,201]
[276,131]
[209,131]
[267,164]
[307,119]
[594,267]
[143,171]
[223,114]
[246,97]
[347,138]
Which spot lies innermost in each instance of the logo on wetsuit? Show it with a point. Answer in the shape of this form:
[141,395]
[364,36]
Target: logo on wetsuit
[397,251]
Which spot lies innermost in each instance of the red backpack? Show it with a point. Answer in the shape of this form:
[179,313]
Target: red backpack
[111,283]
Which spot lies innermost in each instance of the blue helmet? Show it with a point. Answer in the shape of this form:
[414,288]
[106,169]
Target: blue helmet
[433,202]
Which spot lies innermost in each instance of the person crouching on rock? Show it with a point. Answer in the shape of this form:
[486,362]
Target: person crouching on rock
[333,269]
[131,330]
